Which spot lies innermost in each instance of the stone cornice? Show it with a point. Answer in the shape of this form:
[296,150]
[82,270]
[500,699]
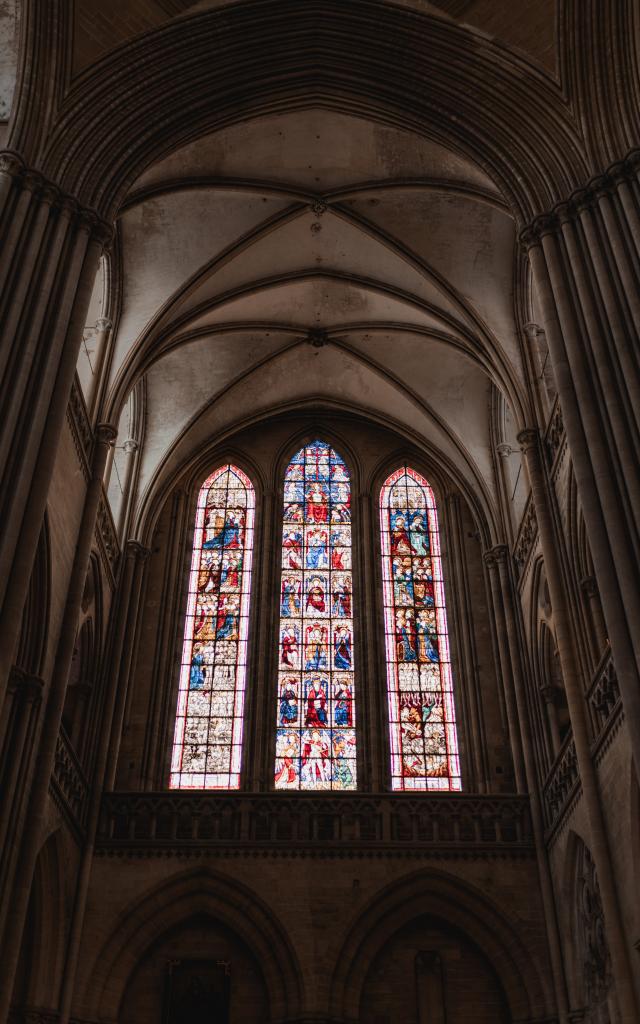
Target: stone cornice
[239,824]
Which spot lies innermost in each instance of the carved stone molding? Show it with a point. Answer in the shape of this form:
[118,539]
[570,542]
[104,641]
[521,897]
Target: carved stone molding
[80,427]
[555,434]
[183,823]
[106,433]
[69,780]
[526,538]
[604,693]
[107,538]
[561,782]
[138,551]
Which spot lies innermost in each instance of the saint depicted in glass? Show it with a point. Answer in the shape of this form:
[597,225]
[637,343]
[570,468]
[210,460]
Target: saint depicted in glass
[207,742]
[424,746]
[316,739]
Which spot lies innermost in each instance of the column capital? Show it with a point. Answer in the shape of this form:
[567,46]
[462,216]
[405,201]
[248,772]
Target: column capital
[533,330]
[529,438]
[28,687]
[106,433]
[134,549]
[489,558]
[549,693]
[590,586]
[493,556]
[130,446]
[103,323]
[501,553]
[504,450]
[11,163]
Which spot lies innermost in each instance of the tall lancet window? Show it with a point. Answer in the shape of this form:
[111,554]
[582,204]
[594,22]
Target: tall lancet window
[316,740]
[424,746]
[207,743]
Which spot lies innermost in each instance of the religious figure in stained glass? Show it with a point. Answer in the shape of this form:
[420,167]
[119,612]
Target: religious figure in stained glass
[316,741]
[424,746]
[207,742]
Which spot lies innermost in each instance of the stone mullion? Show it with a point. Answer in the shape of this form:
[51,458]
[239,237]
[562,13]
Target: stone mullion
[507,673]
[498,560]
[574,690]
[468,684]
[162,676]
[258,760]
[378,701]
[615,572]
[370,695]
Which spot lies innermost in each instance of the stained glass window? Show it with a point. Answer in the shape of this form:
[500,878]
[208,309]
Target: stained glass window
[422,725]
[316,740]
[207,743]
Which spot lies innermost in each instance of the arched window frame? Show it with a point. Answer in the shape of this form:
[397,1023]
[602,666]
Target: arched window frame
[395,468]
[283,461]
[258,751]
[195,526]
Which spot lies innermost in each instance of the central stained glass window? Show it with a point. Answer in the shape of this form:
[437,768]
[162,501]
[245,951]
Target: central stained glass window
[316,739]
[422,721]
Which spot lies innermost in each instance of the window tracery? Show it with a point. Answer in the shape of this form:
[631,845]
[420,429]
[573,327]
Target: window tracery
[316,739]
[422,725]
[207,745]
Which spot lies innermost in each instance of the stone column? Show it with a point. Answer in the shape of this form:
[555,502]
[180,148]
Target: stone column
[574,690]
[35,809]
[103,329]
[130,448]
[587,284]
[497,560]
[120,655]
[172,609]
[24,699]
[548,692]
[468,684]
[50,251]
[506,670]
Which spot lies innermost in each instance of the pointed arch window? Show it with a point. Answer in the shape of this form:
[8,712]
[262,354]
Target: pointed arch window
[316,740]
[422,725]
[207,744]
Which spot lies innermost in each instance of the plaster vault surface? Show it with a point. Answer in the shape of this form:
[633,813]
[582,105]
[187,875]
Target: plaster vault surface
[238,248]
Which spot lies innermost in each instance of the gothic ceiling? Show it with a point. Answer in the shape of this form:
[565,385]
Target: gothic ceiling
[521,25]
[320,257]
